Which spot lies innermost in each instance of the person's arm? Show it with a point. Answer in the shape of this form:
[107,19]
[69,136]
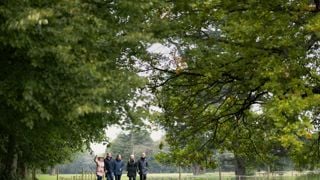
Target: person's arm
[147,166]
[127,165]
[96,159]
[105,165]
[136,166]
[114,165]
[139,166]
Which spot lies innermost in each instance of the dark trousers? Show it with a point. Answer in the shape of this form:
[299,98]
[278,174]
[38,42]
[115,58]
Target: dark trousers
[132,177]
[109,176]
[99,177]
[143,176]
[117,177]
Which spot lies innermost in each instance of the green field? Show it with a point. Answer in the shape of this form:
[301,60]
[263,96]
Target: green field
[164,176]
[188,176]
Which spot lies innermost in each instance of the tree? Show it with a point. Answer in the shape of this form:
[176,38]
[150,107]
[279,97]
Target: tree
[65,74]
[137,141]
[185,154]
[242,74]
[132,142]
[81,162]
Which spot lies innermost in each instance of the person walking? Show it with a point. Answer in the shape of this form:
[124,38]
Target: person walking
[118,168]
[143,167]
[132,168]
[100,167]
[109,166]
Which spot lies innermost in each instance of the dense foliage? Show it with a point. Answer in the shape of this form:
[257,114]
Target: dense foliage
[64,76]
[136,142]
[242,76]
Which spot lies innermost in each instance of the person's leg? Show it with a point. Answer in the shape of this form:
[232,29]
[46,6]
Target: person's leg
[144,177]
[111,176]
[119,177]
[133,177]
[141,176]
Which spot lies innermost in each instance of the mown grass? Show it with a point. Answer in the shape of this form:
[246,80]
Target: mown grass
[161,176]
[189,176]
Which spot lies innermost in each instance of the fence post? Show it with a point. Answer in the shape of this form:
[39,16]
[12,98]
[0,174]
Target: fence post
[57,173]
[219,172]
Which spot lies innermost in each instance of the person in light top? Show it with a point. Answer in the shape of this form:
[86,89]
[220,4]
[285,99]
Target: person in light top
[100,167]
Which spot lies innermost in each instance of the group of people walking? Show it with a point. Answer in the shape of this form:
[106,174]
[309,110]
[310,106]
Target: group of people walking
[113,168]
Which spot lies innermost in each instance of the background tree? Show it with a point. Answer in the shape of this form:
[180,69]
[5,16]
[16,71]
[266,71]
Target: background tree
[80,162]
[131,142]
[135,142]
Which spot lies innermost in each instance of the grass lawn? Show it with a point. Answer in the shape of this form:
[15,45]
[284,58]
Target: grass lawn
[185,176]
[124,176]
[150,176]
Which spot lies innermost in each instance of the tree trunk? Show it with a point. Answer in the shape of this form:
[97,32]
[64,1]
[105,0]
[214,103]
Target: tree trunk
[240,168]
[10,167]
[196,169]
[22,169]
[52,170]
[219,171]
[34,175]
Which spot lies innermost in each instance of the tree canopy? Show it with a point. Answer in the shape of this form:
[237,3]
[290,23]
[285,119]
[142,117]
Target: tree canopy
[65,75]
[242,77]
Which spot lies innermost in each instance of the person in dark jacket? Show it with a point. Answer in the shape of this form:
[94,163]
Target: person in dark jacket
[118,167]
[143,167]
[132,168]
[109,166]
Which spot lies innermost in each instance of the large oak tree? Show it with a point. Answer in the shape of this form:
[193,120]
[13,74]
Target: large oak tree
[65,75]
[242,77]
